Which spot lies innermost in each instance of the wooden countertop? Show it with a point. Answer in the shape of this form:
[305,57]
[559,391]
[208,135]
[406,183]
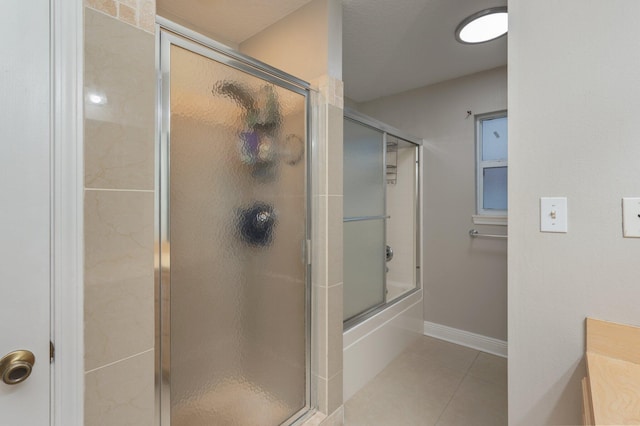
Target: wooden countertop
[613,365]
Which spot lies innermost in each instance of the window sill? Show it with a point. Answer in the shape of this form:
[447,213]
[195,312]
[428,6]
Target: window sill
[489,220]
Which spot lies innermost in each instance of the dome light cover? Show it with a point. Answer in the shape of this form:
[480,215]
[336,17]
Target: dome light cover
[483,26]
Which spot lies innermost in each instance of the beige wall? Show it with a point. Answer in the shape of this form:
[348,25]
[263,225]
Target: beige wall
[350,103]
[465,281]
[119,65]
[574,97]
[306,43]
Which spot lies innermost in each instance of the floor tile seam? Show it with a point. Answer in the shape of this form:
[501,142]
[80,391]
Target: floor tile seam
[439,365]
[451,399]
[487,382]
[429,357]
[453,395]
[473,362]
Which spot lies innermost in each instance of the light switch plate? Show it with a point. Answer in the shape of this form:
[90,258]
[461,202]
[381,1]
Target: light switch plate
[553,214]
[631,217]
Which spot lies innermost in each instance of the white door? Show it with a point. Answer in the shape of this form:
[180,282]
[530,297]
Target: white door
[25,207]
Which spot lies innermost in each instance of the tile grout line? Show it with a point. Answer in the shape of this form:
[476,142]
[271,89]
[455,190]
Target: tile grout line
[472,362]
[119,190]
[457,388]
[118,361]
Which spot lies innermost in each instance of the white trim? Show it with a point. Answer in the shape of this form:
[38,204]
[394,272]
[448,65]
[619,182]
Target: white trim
[466,338]
[67,221]
[480,219]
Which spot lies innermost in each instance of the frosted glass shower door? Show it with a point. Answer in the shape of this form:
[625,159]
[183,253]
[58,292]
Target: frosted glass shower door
[364,219]
[234,296]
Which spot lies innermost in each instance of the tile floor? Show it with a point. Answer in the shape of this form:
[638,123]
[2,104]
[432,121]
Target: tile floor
[434,382]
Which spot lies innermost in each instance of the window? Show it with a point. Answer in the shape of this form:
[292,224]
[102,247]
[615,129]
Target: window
[491,150]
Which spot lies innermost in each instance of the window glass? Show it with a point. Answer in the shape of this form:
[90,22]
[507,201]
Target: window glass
[494,139]
[495,188]
[492,153]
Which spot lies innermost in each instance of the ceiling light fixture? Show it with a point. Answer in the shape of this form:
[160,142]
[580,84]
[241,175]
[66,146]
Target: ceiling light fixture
[483,26]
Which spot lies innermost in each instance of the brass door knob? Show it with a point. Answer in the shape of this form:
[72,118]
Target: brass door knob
[16,366]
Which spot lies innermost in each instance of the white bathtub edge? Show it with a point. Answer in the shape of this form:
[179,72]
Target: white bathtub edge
[370,346]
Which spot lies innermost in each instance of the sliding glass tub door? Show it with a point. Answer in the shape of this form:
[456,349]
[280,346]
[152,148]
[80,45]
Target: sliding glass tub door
[364,219]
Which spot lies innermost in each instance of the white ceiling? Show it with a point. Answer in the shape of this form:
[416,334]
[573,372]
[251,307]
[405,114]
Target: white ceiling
[389,46]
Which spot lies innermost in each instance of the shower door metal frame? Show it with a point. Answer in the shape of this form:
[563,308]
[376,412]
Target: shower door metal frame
[365,120]
[169,33]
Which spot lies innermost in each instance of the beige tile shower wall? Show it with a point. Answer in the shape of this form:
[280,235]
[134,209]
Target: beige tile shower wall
[327,254]
[139,13]
[119,214]
[330,325]
[327,248]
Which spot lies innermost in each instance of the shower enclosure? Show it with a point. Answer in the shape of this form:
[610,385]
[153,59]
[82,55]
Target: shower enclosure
[232,280]
[381,216]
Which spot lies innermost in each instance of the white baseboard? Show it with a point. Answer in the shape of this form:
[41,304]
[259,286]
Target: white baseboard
[466,338]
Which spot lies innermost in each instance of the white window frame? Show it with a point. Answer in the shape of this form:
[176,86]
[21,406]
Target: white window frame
[484,216]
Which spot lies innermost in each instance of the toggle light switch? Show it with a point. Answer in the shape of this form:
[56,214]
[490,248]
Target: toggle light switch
[553,214]
[631,217]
